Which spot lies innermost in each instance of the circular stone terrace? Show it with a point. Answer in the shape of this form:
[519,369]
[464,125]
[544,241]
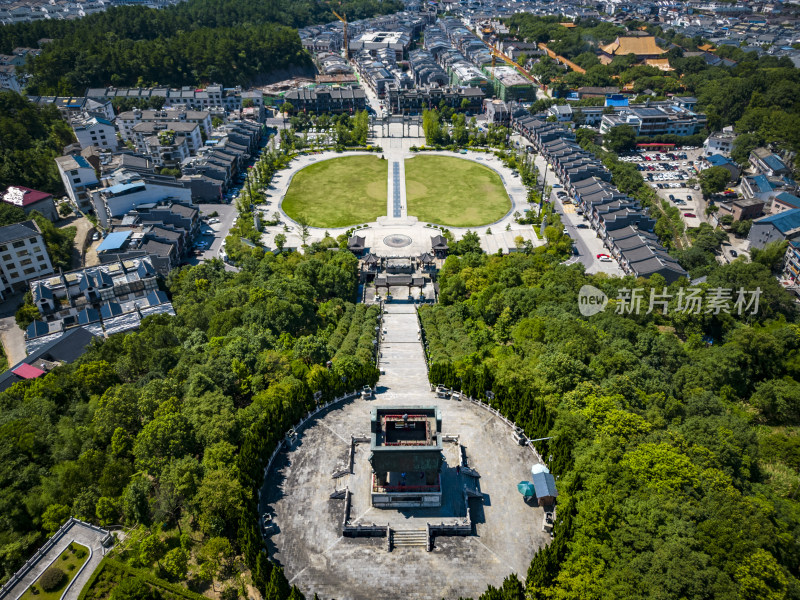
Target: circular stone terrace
[306,538]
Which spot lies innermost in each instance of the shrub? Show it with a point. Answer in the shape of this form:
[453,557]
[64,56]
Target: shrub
[65,556]
[80,552]
[52,579]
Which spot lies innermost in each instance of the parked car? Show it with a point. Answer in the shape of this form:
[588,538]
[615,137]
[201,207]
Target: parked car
[601,256]
[690,215]
[734,253]
[582,226]
[605,259]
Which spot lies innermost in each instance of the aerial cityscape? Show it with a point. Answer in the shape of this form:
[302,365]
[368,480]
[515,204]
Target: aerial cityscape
[399,299]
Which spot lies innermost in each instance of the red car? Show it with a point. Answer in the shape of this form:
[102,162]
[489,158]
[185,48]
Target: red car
[603,255]
[689,215]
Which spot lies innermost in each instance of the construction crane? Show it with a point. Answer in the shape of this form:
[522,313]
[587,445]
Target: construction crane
[346,45]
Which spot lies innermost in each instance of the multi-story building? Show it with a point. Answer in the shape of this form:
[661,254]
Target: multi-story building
[656,120]
[372,41]
[327,99]
[105,299]
[95,131]
[720,143]
[507,84]
[125,190]
[127,120]
[79,177]
[190,132]
[23,255]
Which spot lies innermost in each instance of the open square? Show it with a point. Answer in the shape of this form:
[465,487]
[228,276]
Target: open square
[338,192]
[454,191]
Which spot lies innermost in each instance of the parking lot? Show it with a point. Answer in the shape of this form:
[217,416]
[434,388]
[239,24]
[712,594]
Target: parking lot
[213,231]
[668,174]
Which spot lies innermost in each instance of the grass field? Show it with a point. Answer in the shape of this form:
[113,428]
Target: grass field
[67,562]
[453,191]
[339,192]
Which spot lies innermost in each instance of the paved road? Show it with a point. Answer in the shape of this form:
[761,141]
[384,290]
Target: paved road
[12,336]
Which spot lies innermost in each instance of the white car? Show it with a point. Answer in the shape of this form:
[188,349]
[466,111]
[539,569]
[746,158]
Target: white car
[605,259]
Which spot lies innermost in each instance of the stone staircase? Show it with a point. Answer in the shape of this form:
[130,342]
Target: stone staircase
[409,537]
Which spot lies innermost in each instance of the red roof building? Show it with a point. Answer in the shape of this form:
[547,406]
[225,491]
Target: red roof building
[29,200]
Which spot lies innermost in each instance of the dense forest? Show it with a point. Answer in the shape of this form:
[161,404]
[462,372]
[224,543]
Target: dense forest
[675,435]
[169,428]
[30,138]
[198,41]
[759,95]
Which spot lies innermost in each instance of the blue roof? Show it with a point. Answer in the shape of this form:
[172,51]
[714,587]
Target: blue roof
[783,221]
[544,484]
[774,163]
[717,160]
[762,183]
[157,297]
[787,198]
[121,188]
[114,241]
[82,162]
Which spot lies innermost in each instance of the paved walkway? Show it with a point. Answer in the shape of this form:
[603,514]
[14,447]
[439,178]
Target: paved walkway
[77,532]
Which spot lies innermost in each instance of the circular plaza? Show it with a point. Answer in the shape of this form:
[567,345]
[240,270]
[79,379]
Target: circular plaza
[315,493]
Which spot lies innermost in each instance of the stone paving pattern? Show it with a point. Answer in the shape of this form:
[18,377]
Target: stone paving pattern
[307,538]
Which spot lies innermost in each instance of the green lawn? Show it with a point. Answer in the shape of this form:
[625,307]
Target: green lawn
[339,192]
[71,565]
[454,191]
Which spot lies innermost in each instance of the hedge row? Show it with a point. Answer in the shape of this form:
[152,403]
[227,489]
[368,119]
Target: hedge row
[447,338]
[358,341]
[126,570]
[342,329]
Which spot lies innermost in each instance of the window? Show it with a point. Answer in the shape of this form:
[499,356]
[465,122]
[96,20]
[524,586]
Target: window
[23,253]
[37,248]
[30,271]
[26,262]
[40,258]
[13,275]
[19,244]
[6,257]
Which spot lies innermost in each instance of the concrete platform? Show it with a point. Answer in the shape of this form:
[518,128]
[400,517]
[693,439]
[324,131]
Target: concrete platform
[307,538]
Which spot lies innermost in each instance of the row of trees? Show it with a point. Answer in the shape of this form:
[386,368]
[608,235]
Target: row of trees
[30,138]
[170,427]
[673,432]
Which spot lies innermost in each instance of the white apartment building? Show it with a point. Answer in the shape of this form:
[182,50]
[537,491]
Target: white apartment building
[23,255]
[95,131]
[719,143]
[127,120]
[78,177]
[145,130]
[129,190]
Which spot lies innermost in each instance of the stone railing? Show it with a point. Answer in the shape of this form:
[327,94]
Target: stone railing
[40,553]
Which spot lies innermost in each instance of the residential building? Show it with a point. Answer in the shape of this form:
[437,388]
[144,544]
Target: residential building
[172,134]
[782,202]
[125,190]
[23,255]
[74,106]
[127,120]
[768,163]
[720,143]
[717,160]
[742,209]
[30,200]
[784,225]
[324,99]
[79,178]
[44,355]
[104,299]
[94,131]
[372,41]
[508,84]
[496,111]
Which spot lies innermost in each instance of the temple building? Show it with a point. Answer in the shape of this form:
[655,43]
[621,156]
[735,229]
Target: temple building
[406,457]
